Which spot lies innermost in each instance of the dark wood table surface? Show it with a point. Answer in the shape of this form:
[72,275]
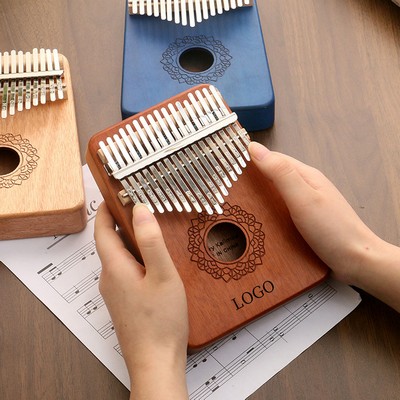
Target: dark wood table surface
[335,66]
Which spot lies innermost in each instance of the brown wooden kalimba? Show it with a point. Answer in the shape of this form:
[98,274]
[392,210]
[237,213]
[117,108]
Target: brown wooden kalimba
[41,186]
[238,254]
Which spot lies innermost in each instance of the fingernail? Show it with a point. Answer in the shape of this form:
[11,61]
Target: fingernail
[141,214]
[258,151]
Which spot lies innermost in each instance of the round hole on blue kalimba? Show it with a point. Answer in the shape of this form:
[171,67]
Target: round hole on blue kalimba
[196,59]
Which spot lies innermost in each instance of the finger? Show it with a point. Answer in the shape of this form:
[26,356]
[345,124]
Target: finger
[151,243]
[285,174]
[109,245]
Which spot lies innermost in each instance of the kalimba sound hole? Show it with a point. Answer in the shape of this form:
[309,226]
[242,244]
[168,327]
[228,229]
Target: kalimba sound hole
[226,242]
[196,59]
[9,160]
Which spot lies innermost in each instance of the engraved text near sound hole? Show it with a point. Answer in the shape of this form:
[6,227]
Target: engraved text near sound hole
[226,242]
[9,160]
[196,59]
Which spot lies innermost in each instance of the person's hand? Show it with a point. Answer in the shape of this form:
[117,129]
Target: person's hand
[321,214]
[147,305]
[331,227]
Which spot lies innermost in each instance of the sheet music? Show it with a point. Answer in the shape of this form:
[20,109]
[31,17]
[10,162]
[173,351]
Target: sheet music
[63,272]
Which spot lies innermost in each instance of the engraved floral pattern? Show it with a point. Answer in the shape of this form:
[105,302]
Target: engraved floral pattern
[170,58]
[27,164]
[218,269]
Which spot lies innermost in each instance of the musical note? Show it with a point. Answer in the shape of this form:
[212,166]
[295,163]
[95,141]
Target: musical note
[195,362]
[70,262]
[82,286]
[55,273]
[91,306]
[254,346]
[107,330]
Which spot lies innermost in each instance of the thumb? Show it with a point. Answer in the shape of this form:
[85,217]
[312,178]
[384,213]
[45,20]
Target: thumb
[151,243]
[284,173]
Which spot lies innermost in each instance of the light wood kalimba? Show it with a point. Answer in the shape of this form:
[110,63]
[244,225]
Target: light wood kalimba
[228,231]
[41,186]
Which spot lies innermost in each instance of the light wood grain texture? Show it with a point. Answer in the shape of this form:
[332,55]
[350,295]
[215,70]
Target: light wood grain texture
[43,195]
[335,67]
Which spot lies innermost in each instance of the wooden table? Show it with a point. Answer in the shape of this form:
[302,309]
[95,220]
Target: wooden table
[335,65]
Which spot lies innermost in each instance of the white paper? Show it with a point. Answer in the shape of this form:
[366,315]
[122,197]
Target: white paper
[63,273]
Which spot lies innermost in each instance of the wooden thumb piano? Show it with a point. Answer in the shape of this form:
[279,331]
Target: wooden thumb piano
[227,229]
[41,187]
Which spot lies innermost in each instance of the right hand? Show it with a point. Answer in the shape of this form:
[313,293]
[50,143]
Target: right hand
[320,212]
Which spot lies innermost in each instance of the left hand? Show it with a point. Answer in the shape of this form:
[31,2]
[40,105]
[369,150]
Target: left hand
[147,305]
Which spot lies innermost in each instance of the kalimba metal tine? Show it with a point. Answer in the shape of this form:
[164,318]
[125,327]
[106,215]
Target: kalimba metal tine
[157,190]
[182,154]
[236,138]
[130,191]
[213,173]
[204,174]
[205,9]
[184,12]
[189,194]
[13,82]
[174,186]
[140,150]
[35,57]
[149,191]
[20,102]
[227,154]
[4,97]
[222,159]
[52,86]
[60,91]
[231,146]
[198,184]
[28,79]
[209,154]
[138,190]
[42,58]
[162,190]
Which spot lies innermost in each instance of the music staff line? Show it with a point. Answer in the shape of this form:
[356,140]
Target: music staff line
[261,345]
[106,330]
[82,286]
[117,348]
[51,274]
[87,310]
[91,306]
[70,262]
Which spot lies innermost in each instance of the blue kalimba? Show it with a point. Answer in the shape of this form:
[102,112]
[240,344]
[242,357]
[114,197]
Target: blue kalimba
[162,58]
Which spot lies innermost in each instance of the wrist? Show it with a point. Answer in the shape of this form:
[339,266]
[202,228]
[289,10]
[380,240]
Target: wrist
[159,374]
[378,271]
[350,263]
